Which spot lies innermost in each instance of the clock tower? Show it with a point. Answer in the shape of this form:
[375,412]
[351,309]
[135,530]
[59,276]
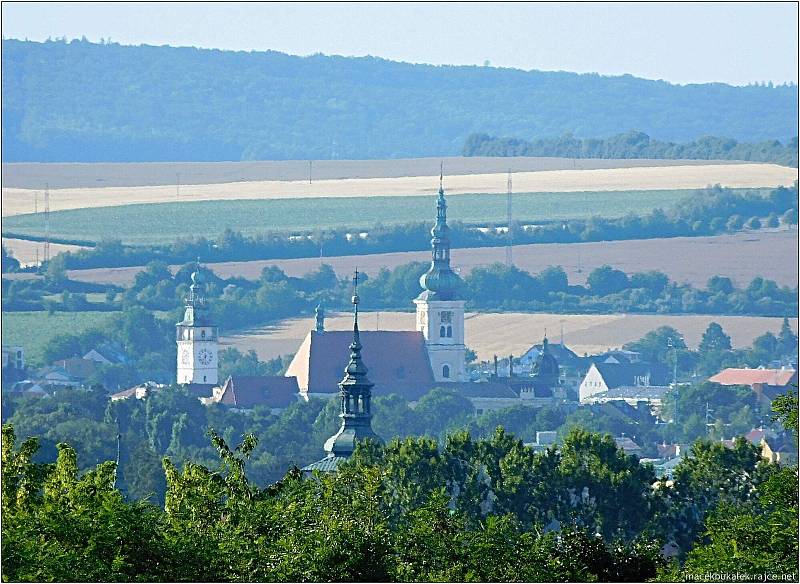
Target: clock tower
[440,309]
[197,339]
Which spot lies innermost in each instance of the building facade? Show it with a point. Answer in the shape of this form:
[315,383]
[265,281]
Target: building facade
[197,341]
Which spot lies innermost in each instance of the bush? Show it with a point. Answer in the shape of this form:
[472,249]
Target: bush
[753,223]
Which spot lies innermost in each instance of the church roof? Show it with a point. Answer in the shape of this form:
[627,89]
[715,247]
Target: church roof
[486,389]
[398,362]
[619,374]
[249,391]
[327,464]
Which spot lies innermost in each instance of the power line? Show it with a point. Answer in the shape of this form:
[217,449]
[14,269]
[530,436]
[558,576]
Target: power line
[46,223]
[509,236]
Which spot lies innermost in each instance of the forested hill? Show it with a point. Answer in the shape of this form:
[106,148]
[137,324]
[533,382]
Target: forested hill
[80,101]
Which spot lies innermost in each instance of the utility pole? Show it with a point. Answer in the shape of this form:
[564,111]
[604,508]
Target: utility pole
[35,201]
[46,223]
[177,185]
[309,172]
[510,237]
[671,345]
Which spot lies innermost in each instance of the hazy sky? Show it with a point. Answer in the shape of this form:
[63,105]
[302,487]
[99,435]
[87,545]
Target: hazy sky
[735,43]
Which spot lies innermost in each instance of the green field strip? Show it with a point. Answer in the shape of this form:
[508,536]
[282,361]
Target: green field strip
[166,222]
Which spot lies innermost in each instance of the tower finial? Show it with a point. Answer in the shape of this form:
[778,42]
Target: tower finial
[441,176]
[355,299]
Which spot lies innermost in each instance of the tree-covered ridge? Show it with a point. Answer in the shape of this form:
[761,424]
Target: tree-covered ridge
[634,145]
[81,101]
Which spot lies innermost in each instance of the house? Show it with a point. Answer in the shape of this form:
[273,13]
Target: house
[107,354]
[627,445]
[80,369]
[245,392]
[781,448]
[140,391]
[49,376]
[29,387]
[766,383]
[603,377]
[488,395]
[14,357]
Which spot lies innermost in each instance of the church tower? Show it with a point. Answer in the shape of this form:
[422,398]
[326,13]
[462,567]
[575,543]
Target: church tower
[197,339]
[440,310]
[355,394]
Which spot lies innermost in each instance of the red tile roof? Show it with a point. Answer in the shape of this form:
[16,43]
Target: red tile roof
[246,391]
[777,377]
[397,362]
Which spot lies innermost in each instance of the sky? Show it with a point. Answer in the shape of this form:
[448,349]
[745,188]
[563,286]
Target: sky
[736,43]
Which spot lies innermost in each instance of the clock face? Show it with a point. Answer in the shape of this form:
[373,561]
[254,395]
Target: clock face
[186,357]
[204,357]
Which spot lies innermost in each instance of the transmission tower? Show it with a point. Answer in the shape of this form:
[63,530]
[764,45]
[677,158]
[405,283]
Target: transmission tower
[509,236]
[47,223]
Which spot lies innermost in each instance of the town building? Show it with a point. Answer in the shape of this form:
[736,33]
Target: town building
[197,337]
[631,382]
[766,383]
[14,358]
[409,363]
[355,397]
[245,392]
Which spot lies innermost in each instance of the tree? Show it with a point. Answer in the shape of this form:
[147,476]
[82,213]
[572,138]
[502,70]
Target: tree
[735,222]
[714,339]
[607,280]
[789,217]
[787,340]
[753,223]
[720,284]
[9,262]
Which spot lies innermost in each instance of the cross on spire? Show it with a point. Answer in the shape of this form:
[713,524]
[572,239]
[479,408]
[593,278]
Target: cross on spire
[441,176]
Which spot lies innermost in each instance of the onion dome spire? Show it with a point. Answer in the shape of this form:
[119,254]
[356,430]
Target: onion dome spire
[440,282]
[355,393]
[195,302]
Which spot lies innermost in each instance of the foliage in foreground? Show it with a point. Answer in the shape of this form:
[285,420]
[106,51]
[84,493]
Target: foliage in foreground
[485,510]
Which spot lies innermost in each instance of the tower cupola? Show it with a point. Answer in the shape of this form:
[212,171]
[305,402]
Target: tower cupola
[440,282]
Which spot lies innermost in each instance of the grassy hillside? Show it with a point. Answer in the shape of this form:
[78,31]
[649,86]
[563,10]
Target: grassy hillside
[33,330]
[166,222]
[80,101]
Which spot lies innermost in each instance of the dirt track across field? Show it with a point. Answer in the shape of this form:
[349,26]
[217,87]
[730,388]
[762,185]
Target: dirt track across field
[63,175]
[16,201]
[514,333]
[742,256]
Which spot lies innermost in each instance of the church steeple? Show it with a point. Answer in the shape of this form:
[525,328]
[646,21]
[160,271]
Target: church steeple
[355,394]
[319,318]
[196,337]
[440,282]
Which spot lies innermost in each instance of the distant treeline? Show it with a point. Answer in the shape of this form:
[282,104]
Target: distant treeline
[79,101]
[704,212]
[634,145]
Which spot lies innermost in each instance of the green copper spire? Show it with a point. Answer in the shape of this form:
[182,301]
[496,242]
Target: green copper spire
[440,282]
[319,318]
[355,393]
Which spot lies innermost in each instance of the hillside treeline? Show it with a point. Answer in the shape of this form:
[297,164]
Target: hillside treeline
[80,102]
[634,145]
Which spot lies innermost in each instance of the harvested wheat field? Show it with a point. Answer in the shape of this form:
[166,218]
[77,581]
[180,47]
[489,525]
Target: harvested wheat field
[514,333]
[17,201]
[26,251]
[742,256]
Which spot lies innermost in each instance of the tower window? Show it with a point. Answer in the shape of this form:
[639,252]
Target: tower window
[204,378]
[442,331]
[203,334]
[446,371]
[449,331]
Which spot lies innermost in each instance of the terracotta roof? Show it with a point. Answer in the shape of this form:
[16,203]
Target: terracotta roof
[397,362]
[754,436]
[249,391]
[778,377]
